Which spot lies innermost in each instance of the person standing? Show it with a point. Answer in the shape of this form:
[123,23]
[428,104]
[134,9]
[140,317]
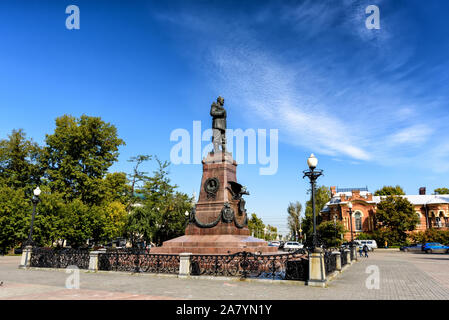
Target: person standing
[386,244]
[360,251]
[365,249]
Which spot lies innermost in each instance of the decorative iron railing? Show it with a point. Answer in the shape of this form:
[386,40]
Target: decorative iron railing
[330,262]
[136,261]
[344,258]
[289,266]
[59,258]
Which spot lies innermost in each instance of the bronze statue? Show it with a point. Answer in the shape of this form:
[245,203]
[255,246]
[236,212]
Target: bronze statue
[218,114]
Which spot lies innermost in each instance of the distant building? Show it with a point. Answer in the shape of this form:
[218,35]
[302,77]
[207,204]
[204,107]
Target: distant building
[432,210]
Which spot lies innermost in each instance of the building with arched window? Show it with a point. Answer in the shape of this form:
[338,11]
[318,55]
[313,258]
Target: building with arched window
[432,210]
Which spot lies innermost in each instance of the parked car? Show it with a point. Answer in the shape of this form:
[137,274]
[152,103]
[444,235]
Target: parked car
[371,244]
[274,244]
[292,246]
[413,248]
[435,247]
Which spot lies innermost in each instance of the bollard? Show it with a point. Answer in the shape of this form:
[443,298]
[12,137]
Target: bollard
[184,264]
[348,256]
[93,260]
[317,272]
[338,258]
[354,253]
[25,261]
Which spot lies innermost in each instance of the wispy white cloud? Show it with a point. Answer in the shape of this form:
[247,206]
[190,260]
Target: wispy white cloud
[360,103]
[416,134]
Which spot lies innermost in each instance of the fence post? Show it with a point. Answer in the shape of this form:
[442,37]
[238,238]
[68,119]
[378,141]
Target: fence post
[317,272]
[348,256]
[184,264]
[25,261]
[354,253]
[338,259]
[93,260]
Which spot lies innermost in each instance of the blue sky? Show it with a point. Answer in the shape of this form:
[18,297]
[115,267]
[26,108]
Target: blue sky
[373,105]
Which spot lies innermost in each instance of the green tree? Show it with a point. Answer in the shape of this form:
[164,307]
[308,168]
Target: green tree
[162,214]
[322,196]
[78,155]
[441,191]
[396,216]
[294,216]
[19,161]
[136,178]
[271,234]
[330,233]
[115,188]
[15,216]
[389,191]
[430,235]
[256,226]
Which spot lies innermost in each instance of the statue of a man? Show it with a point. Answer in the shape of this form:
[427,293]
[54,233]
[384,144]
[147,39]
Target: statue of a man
[218,114]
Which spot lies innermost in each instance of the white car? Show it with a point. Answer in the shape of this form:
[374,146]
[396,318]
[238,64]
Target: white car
[274,243]
[292,246]
[371,244]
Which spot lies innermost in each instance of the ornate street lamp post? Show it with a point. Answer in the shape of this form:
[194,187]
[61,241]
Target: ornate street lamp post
[313,175]
[335,228]
[350,221]
[35,201]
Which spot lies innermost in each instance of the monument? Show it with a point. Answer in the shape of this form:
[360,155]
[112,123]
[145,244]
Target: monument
[218,222]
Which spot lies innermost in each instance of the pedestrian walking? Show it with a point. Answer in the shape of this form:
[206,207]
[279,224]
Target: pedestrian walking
[365,249]
[361,251]
[386,244]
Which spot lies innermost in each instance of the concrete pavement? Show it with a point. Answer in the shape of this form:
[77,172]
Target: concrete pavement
[401,276]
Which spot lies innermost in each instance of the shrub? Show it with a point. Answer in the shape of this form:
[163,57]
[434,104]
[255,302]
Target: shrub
[430,235]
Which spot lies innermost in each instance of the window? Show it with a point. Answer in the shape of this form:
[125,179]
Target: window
[358,221]
[419,218]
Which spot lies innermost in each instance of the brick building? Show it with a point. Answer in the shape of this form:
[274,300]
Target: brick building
[432,210]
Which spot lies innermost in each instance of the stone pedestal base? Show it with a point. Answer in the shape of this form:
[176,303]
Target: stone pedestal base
[25,260]
[317,272]
[214,244]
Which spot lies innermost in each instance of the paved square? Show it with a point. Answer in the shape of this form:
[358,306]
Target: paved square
[402,276]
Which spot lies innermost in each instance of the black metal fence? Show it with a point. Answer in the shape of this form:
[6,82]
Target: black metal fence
[59,258]
[290,266]
[330,262]
[138,261]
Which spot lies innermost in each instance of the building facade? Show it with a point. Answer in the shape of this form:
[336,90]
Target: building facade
[432,210]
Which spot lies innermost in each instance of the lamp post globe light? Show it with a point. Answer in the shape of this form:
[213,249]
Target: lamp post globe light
[35,201]
[313,175]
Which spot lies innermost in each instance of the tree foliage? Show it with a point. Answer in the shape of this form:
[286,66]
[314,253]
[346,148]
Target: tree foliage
[441,191]
[331,234]
[19,161]
[294,218]
[396,216]
[161,214]
[78,155]
[430,235]
[390,191]
[256,226]
[322,196]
